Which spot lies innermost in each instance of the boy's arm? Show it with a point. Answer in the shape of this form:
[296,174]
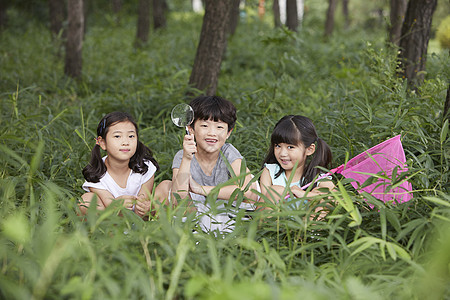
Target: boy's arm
[226,191]
[181,175]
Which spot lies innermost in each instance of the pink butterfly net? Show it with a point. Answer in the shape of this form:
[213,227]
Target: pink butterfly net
[384,158]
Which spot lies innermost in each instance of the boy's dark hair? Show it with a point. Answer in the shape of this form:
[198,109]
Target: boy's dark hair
[214,108]
[97,168]
[295,129]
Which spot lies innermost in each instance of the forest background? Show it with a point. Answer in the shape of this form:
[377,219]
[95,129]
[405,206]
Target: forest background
[347,83]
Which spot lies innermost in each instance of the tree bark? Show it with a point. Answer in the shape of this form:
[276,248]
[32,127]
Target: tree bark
[291,15]
[56,14]
[329,23]
[414,42]
[213,41]
[346,14]
[143,24]
[75,32]
[276,13]
[159,15]
[396,16]
[234,17]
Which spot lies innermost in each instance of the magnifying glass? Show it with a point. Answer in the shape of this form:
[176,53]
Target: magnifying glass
[182,115]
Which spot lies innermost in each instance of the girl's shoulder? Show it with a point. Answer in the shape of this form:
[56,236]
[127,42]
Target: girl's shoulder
[273,168]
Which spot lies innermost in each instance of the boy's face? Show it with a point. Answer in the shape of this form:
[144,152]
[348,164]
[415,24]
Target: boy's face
[210,135]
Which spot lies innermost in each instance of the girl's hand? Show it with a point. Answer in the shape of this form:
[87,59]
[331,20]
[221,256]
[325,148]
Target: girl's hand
[298,192]
[128,201]
[143,206]
[189,146]
[196,188]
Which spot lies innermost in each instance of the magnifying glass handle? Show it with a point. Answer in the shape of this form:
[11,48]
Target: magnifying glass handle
[187,131]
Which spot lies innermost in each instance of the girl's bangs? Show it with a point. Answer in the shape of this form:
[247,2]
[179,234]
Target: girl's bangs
[287,133]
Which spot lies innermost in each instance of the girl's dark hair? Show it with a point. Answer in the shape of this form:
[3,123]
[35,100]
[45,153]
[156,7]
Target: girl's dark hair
[295,129]
[97,168]
[214,108]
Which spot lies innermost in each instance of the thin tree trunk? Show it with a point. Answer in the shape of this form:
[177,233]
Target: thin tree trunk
[75,30]
[159,15]
[234,17]
[213,40]
[414,42]
[3,16]
[56,14]
[143,24]
[116,8]
[346,14]
[329,23]
[85,15]
[291,15]
[447,105]
[276,13]
[396,16]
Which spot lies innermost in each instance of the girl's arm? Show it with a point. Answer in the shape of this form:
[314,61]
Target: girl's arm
[226,191]
[143,205]
[298,192]
[107,198]
[273,192]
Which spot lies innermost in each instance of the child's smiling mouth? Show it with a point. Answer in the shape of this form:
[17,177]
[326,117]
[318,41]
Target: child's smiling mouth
[211,141]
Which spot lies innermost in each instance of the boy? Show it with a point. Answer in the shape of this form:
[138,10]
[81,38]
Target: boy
[199,167]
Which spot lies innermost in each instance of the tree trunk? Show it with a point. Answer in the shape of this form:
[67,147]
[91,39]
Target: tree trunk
[396,16]
[85,15]
[276,13]
[329,23]
[213,40]
[414,40]
[116,6]
[234,17]
[346,14]
[56,14]
[291,15]
[143,24]
[159,14]
[3,16]
[75,32]
[447,105]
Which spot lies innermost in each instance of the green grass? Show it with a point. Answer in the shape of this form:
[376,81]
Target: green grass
[347,85]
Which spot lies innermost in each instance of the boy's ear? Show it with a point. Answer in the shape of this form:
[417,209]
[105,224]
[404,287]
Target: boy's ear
[229,133]
[311,149]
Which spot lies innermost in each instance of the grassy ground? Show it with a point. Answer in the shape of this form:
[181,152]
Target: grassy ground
[347,85]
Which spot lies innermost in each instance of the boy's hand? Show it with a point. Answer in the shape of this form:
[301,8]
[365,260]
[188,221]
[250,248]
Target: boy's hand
[196,188]
[189,146]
